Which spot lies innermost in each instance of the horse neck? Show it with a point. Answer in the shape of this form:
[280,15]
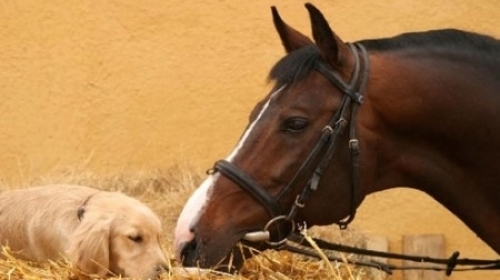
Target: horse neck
[428,128]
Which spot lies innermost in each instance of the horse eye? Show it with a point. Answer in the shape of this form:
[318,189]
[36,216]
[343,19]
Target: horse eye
[295,124]
[135,238]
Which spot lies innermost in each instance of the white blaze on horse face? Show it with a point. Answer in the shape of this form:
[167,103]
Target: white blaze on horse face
[196,203]
[190,214]
[250,128]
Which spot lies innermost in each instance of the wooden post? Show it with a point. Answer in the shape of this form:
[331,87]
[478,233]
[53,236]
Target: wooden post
[427,245]
[377,243]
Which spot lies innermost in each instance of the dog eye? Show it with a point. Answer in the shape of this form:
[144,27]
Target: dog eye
[135,238]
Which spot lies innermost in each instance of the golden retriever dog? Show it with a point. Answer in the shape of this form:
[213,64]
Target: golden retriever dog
[102,233]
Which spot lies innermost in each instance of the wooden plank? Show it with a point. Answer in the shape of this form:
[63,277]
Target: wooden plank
[377,243]
[429,245]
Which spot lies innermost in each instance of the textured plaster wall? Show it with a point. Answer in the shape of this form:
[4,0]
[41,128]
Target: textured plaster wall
[128,85]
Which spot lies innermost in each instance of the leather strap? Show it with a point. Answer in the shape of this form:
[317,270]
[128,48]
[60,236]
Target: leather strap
[241,179]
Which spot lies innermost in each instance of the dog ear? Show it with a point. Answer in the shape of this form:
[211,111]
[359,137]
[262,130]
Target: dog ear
[89,245]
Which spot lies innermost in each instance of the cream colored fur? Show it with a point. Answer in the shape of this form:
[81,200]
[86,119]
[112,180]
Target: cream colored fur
[116,234]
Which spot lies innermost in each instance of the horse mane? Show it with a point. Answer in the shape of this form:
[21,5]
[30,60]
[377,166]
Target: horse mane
[298,64]
[451,39]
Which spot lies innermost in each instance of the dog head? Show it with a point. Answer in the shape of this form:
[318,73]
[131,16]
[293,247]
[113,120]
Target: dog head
[117,235]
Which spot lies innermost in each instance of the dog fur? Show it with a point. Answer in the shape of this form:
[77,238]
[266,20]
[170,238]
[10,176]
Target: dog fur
[100,232]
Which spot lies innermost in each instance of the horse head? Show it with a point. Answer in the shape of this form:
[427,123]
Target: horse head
[293,163]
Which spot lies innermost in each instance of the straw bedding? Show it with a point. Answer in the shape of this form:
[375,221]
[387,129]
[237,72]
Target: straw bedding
[165,191]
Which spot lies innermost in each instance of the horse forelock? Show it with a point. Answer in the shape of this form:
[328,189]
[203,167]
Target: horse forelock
[295,66]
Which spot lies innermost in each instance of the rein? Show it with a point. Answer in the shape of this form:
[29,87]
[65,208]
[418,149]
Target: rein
[296,243]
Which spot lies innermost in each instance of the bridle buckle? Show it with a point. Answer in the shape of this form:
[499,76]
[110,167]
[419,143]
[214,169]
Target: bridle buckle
[354,144]
[297,203]
[265,235]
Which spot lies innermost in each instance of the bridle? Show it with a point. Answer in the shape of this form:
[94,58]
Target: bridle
[352,98]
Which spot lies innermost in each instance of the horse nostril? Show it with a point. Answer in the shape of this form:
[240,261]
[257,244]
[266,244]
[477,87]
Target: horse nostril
[188,252]
[188,247]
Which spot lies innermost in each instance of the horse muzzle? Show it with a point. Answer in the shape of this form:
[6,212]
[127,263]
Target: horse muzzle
[223,255]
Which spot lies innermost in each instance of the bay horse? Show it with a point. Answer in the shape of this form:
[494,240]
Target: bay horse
[345,120]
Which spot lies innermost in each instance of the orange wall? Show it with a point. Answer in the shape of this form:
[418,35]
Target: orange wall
[120,85]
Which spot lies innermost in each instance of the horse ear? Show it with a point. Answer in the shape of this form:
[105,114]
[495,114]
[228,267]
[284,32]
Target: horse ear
[290,38]
[330,45]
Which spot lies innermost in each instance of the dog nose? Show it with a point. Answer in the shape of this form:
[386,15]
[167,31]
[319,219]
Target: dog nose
[162,267]
[159,269]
